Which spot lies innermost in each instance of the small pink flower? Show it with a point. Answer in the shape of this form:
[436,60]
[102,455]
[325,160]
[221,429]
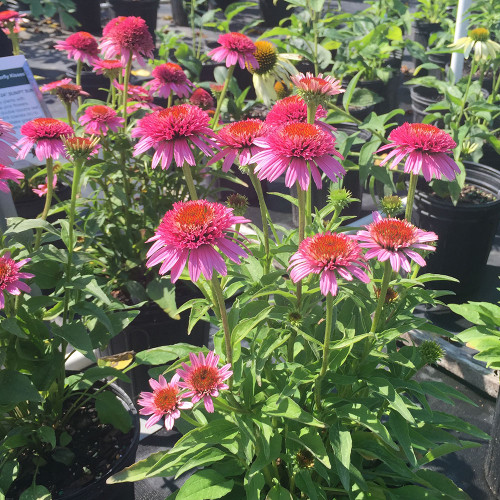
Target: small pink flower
[235,48]
[81,46]
[327,254]
[127,38]
[395,239]
[7,140]
[170,78]
[42,189]
[45,135]
[294,109]
[204,379]
[109,67]
[52,86]
[291,148]
[171,132]
[164,401]
[193,229]
[236,140]
[9,16]
[99,119]
[139,96]
[309,85]
[10,277]
[6,174]
[426,146]
[10,21]
[200,97]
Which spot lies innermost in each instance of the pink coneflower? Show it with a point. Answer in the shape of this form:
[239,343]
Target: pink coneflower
[294,109]
[193,229]
[237,140]
[52,86]
[170,78]
[42,189]
[309,84]
[10,174]
[9,16]
[395,239]
[140,96]
[127,38]
[10,21]
[170,132]
[292,148]
[10,277]
[7,140]
[327,254]
[200,97]
[235,48]
[81,46]
[99,119]
[109,67]
[204,379]
[426,147]
[164,401]
[45,135]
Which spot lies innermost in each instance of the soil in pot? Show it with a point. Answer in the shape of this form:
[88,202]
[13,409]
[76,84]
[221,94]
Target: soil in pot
[154,328]
[466,231]
[100,451]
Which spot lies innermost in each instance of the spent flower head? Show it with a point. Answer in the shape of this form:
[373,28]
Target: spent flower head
[238,203]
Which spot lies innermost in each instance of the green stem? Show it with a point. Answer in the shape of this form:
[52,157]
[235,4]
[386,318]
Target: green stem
[186,169]
[79,66]
[125,90]
[331,311]
[315,32]
[302,224]
[67,105]
[411,196]
[48,200]
[215,119]
[170,100]
[335,216]
[225,322]
[466,93]
[263,211]
[383,292]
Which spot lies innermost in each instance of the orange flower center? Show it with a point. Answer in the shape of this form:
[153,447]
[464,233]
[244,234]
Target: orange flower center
[480,34]
[5,271]
[303,130]
[205,378]
[394,233]
[193,215]
[329,247]
[166,399]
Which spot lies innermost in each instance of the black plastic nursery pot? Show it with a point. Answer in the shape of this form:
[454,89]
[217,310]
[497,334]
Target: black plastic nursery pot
[421,98]
[96,85]
[31,205]
[421,33]
[147,9]
[441,60]
[88,14]
[273,13]
[154,328]
[466,232]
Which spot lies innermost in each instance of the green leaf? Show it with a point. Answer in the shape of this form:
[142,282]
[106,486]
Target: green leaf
[16,388]
[245,326]
[111,411]
[35,492]
[47,435]
[341,445]
[18,225]
[94,289]
[277,492]
[346,98]
[165,354]
[399,427]
[8,473]
[162,291]
[277,406]
[310,439]
[77,335]
[386,390]
[445,449]
[10,325]
[206,484]
[94,374]
[205,457]
[139,470]
[91,309]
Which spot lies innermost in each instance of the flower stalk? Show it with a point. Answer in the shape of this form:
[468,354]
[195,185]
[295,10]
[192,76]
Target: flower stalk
[186,169]
[383,292]
[48,200]
[215,119]
[411,196]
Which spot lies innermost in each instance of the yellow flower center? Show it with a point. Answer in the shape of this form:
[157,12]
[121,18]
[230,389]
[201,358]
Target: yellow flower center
[266,56]
[480,34]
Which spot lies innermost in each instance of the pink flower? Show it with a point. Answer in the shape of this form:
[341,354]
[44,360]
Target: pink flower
[169,78]
[10,21]
[127,38]
[45,135]
[395,239]
[81,46]
[42,189]
[426,147]
[237,140]
[165,400]
[235,48]
[200,97]
[292,148]
[10,277]
[7,140]
[81,147]
[171,132]
[6,174]
[99,119]
[140,96]
[192,229]
[294,109]
[203,379]
[327,254]
[49,87]
[109,67]
[309,85]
